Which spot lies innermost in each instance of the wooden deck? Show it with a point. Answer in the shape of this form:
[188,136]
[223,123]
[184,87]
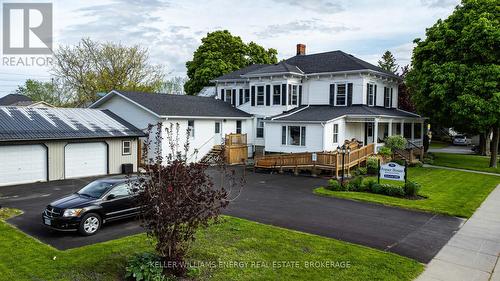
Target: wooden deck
[324,161]
[236,148]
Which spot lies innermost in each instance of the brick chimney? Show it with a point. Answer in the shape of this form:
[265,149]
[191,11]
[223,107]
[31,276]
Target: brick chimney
[301,49]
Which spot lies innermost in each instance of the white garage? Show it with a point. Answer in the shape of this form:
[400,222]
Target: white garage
[46,144]
[22,164]
[85,159]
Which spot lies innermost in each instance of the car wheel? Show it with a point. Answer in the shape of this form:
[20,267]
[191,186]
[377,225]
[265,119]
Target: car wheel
[90,224]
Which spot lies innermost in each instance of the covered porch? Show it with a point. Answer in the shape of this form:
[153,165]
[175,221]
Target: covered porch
[375,129]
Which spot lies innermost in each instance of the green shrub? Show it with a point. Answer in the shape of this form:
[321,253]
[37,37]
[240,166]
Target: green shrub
[376,188]
[356,184]
[400,162]
[396,142]
[334,185]
[372,165]
[360,171]
[368,184]
[392,190]
[145,267]
[385,151]
[416,164]
[411,188]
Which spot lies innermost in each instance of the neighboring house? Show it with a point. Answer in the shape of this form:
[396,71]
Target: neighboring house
[209,119]
[316,102]
[43,144]
[207,92]
[21,100]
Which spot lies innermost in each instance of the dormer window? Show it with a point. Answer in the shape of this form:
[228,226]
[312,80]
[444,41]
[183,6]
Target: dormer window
[341,98]
[370,94]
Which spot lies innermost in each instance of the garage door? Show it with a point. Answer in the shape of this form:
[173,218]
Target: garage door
[85,159]
[22,164]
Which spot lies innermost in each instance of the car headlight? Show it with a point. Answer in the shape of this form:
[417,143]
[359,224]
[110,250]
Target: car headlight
[72,212]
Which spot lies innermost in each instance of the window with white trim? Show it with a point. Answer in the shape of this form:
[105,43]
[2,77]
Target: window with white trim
[260,127]
[126,147]
[247,95]
[276,94]
[370,94]
[229,95]
[335,133]
[217,127]
[341,97]
[295,99]
[260,95]
[387,97]
[293,135]
[191,128]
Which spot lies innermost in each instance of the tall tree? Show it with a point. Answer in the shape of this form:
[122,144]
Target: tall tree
[455,70]
[388,62]
[174,85]
[404,94]
[91,67]
[219,53]
[49,92]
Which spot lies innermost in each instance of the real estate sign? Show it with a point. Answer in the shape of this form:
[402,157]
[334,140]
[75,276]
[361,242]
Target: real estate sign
[392,171]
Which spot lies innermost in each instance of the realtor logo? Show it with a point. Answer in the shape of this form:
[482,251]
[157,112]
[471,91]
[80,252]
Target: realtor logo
[27,28]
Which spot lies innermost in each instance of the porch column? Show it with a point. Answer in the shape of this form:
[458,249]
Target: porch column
[412,131]
[375,131]
[402,127]
[389,130]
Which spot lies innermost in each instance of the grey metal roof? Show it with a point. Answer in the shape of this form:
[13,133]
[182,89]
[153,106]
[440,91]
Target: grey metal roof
[183,105]
[32,123]
[235,75]
[323,113]
[281,67]
[13,99]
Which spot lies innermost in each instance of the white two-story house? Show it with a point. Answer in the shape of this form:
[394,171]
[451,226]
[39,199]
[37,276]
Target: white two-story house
[316,102]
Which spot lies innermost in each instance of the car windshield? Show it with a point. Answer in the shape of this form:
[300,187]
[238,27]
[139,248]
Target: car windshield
[95,189]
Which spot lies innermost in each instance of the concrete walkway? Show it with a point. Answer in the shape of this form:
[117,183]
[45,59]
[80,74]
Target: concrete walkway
[473,252]
[453,149]
[458,169]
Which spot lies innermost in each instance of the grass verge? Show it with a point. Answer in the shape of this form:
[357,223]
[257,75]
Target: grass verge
[242,250]
[464,161]
[448,192]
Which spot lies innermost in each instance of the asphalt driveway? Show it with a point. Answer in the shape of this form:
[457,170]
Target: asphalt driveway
[280,200]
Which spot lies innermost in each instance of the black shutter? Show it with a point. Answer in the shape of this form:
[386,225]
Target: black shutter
[252,96]
[349,94]
[222,96]
[241,97]
[268,95]
[367,94]
[233,98]
[332,94]
[300,95]
[283,94]
[375,96]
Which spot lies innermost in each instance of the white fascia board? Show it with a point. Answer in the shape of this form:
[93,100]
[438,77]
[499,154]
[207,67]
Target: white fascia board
[289,114]
[355,72]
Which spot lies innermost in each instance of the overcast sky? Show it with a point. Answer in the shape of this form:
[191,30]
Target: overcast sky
[172,29]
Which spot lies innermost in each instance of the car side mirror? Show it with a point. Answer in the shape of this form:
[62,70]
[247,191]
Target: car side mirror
[111,196]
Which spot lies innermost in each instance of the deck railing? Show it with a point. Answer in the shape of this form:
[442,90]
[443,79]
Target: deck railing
[330,161]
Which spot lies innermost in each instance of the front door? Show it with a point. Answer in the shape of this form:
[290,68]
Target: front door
[368,133]
[119,202]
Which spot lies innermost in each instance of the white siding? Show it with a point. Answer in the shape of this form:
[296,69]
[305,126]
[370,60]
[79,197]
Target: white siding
[314,138]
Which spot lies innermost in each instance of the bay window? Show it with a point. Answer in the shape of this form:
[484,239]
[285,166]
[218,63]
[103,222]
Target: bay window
[229,96]
[276,95]
[387,97]
[370,94]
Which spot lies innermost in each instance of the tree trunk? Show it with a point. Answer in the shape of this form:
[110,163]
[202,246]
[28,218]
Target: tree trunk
[487,149]
[494,147]
[482,144]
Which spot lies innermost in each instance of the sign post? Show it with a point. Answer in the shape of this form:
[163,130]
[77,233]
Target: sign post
[393,171]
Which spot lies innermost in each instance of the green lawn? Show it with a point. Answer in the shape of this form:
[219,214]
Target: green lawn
[448,192]
[234,240]
[438,144]
[463,161]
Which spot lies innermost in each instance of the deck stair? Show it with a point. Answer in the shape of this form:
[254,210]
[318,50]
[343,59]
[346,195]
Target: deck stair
[213,156]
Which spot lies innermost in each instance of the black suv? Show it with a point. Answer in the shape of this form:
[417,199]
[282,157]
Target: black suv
[98,202]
